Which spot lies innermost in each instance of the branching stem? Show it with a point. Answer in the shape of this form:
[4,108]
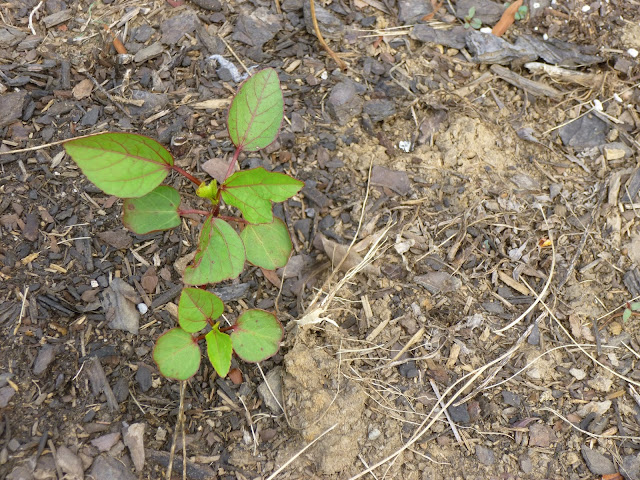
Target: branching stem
[186,175]
[192,211]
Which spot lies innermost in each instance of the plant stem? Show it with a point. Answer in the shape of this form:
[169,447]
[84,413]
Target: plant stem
[233,219]
[187,175]
[191,211]
[332,54]
[232,165]
[226,329]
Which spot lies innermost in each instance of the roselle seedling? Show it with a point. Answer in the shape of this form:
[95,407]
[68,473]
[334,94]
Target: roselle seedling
[133,167]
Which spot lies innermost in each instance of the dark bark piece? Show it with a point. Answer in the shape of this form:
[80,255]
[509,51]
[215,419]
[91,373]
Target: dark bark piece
[194,471]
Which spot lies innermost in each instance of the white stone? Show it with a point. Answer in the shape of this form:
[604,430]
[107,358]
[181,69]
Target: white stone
[577,373]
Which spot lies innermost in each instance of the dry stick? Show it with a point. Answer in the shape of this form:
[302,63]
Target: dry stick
[22,308]
[288,462]
[332,54]
[175,432]
[446,413]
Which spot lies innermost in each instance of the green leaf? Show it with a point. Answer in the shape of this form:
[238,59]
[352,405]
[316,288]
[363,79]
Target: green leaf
[268,245]
[220,254]
[626,315]
[476,23]
[256,335]
[219,350]
[157,210]
[472,12]
[121,164]
[256,111]
[197,308]
[252,191]
[177,354]
[635,306]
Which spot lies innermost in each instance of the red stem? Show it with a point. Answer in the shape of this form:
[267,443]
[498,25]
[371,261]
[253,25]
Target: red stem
[186,174]
[232,219]
[191,211]
[226,329]
[234,160]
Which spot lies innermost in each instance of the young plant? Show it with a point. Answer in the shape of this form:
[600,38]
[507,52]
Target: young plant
[133,167]
[632,308]
[521,13]
[470,21]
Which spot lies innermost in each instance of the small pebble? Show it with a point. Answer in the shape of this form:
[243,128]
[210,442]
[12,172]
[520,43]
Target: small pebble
[142,308]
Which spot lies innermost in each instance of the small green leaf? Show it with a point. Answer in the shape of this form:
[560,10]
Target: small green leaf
[220,254]
[626,315]
[472,12]
[219,350]
[157,210]
[177,354]
[256,111]
[121,164]
[252,191]
[268,245]
[256,335]
[208,190]
[476,23]
[635,306]
[196,308]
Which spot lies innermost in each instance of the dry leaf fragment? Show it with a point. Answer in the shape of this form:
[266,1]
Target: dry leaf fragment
[82,89]
[119,239]
[337,252]
[119,304]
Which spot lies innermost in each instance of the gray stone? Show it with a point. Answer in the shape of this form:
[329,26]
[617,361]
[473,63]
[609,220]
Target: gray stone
[409,370]
[438,282]
[511,398]
[211,5]
[526,465]
[90,118]
[534,336]
[330,25]
[5,395]
[109,468]
[45,356]
[541,435]
[453,38]
[175,27]
[344,103]
[143,33]
[147,53]
[488,12]
[273,386]
[20,473]
[412,11]
[379,110]
[134,440]
[459,414]
[630,468]
[586,132]
[11,105]
[143,377]
[485,455]
[70,463]
[105,442]
[257,28]
[393,179]
[597,463]
[57,18]
[153,102]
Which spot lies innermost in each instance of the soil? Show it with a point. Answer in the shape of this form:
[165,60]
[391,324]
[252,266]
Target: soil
[495,246]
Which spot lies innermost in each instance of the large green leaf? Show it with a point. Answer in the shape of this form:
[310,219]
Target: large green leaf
[268,245]
[177,354]
[122,164]
[256,111]
[220,254]
[219,350]
[197,308]
[256,335]
[252,191]
[157,210]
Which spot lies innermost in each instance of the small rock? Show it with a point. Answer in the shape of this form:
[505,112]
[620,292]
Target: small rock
[20,473]
[105,442]
[134,440]
[596,462]
[510,398]
[153,102]
[379,109]
[393,179]
[175,27]
[374,434]
[534,336]
[578,373]
[412,11]
[57,18]
[70,463]
[599,408]
[90,118]
[459,414]
[143,377]
[526,465]
[541,435]
[43,360]
[452,38]
[488,12]
[143,33]
[11,105]
[118,239]
[211,5]
[109,468]
[256,28]
[438,282]
[601,383]
[272,386]
[344,103]
[147,53]
[409,370]
[630,468]
[615,151]
[5,395]
[585,132]
[485,455]
[525,182]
